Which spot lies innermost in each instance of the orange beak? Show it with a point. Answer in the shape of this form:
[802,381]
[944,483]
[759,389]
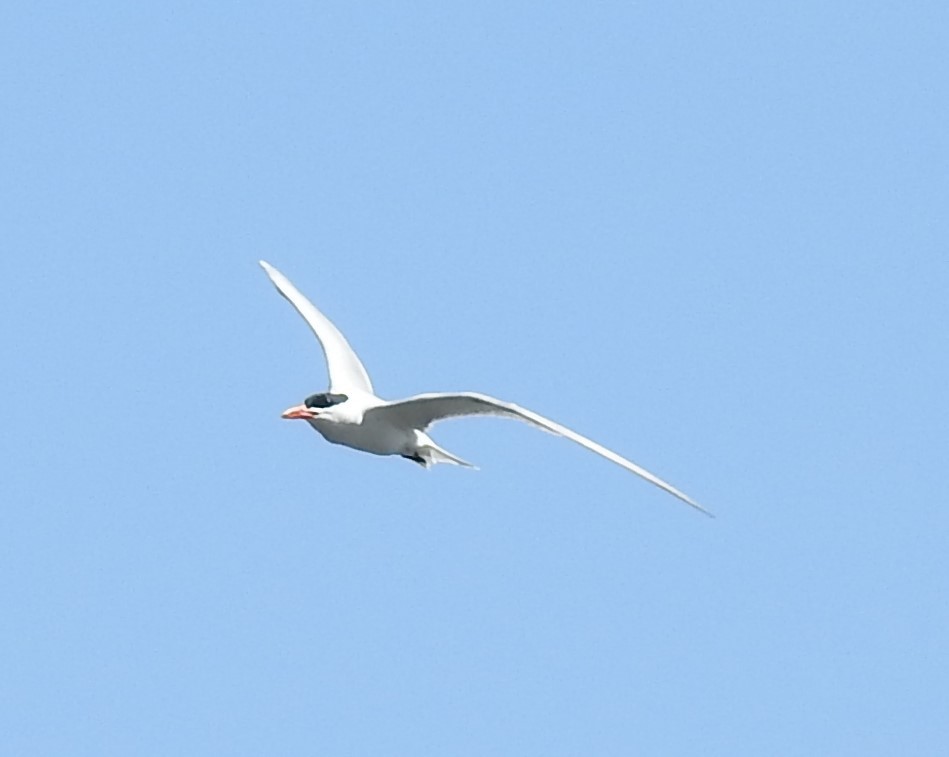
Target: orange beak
[301,412]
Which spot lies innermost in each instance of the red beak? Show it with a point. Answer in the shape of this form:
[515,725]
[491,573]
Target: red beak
[298,411]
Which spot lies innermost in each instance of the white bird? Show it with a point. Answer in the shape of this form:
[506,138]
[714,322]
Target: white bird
[351,414]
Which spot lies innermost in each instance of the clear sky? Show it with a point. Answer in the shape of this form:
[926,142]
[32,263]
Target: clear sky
[711,236]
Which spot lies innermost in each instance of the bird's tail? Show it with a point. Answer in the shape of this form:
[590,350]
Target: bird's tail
[433,454]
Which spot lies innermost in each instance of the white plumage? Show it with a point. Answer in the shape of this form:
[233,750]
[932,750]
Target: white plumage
[351,414]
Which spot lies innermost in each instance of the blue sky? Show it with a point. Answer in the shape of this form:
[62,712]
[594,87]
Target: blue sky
[713,238]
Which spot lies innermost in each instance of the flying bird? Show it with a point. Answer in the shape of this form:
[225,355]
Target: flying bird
[350,413]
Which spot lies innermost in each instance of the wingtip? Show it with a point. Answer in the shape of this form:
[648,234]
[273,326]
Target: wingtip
[272,273]
[691,502]
[701,509]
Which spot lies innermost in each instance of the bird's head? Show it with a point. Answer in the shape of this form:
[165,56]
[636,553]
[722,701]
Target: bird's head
[314,406]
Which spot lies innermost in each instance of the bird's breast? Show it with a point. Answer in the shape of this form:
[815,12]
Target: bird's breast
[379,439]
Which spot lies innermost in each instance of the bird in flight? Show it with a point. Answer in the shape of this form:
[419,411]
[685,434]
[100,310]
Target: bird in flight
[351,414]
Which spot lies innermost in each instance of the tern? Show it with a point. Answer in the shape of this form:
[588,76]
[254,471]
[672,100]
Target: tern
[351,414]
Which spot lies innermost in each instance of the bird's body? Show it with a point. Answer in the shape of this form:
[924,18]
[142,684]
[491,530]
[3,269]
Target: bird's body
[352,414]
[349,424]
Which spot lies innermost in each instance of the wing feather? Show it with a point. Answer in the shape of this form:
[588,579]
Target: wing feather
[346,372]
[423,410]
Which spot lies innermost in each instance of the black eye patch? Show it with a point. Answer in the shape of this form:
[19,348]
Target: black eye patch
[325,399]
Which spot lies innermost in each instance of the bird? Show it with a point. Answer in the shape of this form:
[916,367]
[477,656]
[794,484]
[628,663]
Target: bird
[351,414]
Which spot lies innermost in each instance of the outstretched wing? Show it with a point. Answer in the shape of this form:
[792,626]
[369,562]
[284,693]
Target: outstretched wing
[345,370]
[425,409]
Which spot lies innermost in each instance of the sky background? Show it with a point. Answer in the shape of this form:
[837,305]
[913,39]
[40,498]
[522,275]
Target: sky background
[711,237]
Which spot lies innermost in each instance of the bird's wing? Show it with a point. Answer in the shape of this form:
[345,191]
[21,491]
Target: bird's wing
[345,370]
[425,409]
